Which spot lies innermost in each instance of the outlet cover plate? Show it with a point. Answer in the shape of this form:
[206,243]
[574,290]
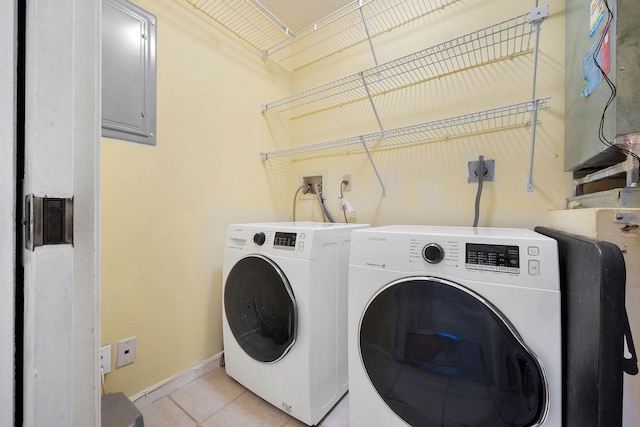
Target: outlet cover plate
[126,352]
[473,171]
[105,358]
[346,187]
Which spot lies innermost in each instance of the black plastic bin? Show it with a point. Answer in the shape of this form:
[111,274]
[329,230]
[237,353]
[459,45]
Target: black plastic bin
[595,328]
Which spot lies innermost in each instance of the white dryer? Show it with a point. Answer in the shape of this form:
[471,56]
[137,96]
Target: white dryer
[285,313]
[454,326]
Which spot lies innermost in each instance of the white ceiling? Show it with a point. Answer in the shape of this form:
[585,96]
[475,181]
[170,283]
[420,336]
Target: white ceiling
[297,14]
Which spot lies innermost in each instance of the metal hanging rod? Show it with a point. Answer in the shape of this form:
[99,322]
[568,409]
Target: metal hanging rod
[256,25]
[500,41]
[509,116]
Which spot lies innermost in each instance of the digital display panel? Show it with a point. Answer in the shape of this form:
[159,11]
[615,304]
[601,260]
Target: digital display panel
[493,257]
[285,240]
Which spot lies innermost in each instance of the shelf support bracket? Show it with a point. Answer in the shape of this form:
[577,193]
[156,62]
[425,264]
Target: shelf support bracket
[627,218]
[373,165]
[366,29]
[373,105]
[536,16]
[534,121]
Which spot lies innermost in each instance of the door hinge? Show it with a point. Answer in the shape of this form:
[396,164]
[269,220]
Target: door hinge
[47,221]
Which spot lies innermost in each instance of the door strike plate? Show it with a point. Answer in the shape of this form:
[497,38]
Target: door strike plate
[47,221]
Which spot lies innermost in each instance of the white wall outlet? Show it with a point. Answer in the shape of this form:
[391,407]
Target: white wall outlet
[346,187]
[126,352]
[105,358]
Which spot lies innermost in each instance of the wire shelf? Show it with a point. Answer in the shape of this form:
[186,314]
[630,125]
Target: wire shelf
[256,25]
[500,41]
[247,19]
[509,116]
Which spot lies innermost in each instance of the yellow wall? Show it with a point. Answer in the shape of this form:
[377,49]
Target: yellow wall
[427,184]
[165,209]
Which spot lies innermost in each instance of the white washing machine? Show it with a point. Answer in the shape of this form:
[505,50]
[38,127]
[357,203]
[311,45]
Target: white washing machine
[285,313]
[454,326]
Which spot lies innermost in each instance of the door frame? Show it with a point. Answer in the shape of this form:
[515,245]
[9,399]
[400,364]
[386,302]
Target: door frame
[61,282]
[8,61]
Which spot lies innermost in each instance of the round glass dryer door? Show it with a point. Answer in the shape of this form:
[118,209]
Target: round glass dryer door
[260,308]
[438,355]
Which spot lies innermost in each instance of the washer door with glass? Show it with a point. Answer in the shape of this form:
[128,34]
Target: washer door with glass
[439,355]
[260,308]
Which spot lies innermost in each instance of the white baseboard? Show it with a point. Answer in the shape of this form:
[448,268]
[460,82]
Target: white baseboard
[168,386]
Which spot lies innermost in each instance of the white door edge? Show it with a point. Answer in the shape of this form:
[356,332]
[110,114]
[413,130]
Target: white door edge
[62,128]
[7,209]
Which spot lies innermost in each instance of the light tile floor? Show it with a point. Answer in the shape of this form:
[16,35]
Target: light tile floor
[216,400]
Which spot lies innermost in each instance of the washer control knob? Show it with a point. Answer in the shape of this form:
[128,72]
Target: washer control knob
[433,253]
[259,238]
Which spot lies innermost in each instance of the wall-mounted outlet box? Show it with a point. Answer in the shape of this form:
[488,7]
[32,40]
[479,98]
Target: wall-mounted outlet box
[489,170]
[346,187]
[126,354]
[312,180]
[105,358]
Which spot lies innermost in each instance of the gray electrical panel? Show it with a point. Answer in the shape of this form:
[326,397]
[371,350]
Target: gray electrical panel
[585,98]
[128,72]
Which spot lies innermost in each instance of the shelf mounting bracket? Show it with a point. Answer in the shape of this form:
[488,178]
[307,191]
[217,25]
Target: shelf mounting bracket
[373,105]
[373,165]
[366,29]
[536,16]
[627,218]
